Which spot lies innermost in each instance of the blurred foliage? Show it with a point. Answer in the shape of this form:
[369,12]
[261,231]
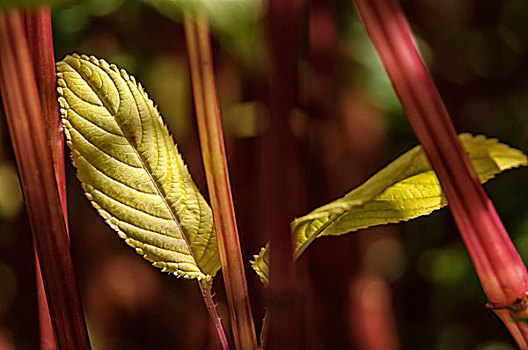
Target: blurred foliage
[10,194]
[13,4]
[235,22]
[370,76]
[8,288]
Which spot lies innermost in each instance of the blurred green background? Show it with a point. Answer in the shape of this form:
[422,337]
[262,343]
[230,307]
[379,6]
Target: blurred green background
[412,283]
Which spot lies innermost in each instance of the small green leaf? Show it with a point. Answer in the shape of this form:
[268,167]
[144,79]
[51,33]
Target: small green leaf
[261,264]
[131,170]
[405,189]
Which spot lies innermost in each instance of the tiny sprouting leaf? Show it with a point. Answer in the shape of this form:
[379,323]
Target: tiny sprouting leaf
[405,189]
[131,170]
[261,264]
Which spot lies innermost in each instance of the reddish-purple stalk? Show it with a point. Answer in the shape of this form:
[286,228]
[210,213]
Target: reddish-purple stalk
[27,130]
[217,175]
[207,295]
[40,42]
[501,271]
[283,185]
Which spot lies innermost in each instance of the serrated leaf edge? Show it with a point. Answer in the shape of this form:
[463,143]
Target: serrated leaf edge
[107,216]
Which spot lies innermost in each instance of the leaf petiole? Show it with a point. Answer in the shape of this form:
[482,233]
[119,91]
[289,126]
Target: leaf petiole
[206,286]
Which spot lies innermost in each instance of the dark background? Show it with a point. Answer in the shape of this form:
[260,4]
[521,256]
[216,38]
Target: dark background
[411,284]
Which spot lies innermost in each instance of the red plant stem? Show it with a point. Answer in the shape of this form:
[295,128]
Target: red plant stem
[501,271]
[40,43]
[47,337]
[205,289]
[215,164]
[283,184]
[35,166]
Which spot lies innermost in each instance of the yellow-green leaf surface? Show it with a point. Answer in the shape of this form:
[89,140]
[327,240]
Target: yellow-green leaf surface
[403,190]
[261,264]
[131,170]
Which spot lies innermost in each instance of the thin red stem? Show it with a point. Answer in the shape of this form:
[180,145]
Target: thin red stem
[35,166]
[46,334]
[205,288]
[215,164]
[501,271]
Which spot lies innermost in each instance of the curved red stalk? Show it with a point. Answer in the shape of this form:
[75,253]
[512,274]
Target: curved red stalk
[501,271]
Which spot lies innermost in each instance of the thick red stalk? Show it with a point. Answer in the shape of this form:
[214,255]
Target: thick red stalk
[501,271]
[35,167]
[283,184]
[40,43]
[215,164]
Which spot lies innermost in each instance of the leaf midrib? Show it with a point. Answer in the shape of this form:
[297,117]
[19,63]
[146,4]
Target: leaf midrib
[313,236]
[144,166]
[342,212]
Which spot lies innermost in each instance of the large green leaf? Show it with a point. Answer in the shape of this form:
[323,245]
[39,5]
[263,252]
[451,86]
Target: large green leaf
[405,189]
[131,170]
